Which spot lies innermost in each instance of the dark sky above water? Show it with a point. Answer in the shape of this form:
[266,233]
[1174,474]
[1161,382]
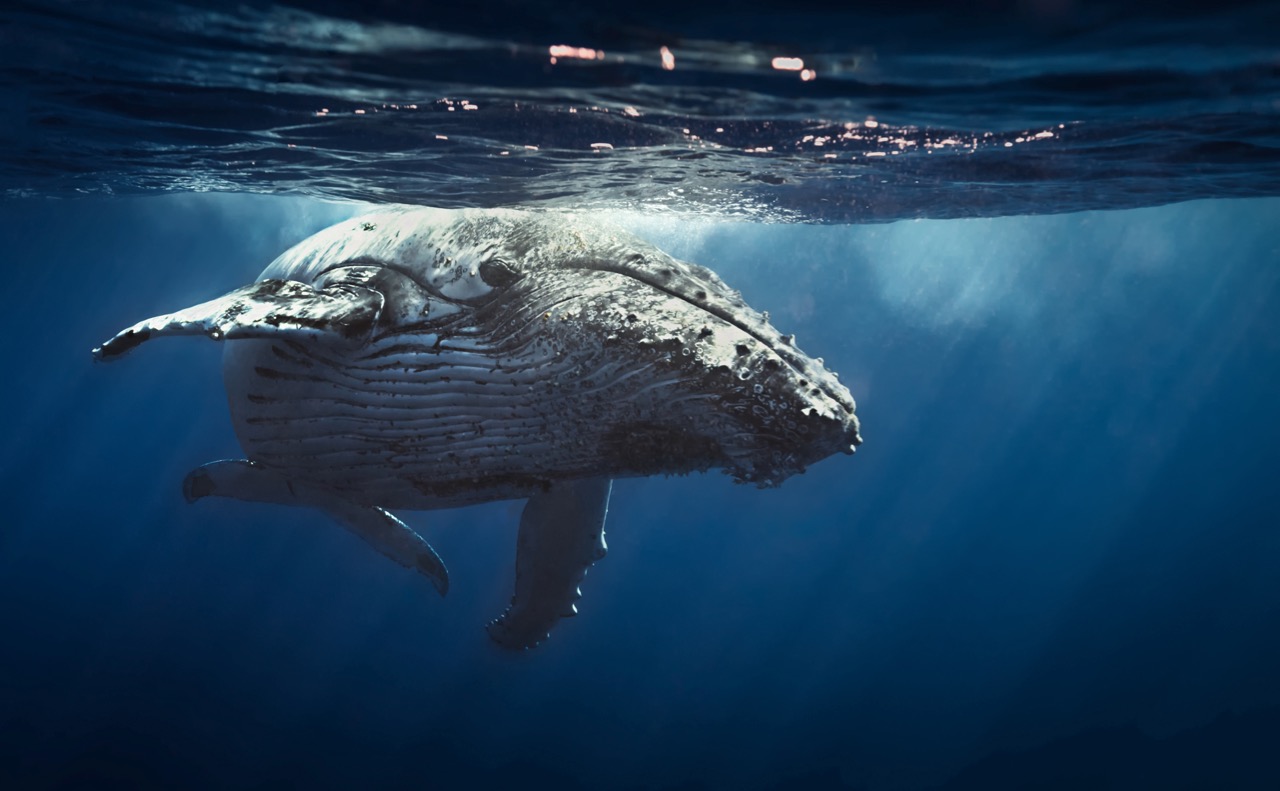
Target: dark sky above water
[1055,553]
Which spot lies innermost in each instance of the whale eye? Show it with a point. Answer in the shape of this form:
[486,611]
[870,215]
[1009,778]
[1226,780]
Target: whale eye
[498,273]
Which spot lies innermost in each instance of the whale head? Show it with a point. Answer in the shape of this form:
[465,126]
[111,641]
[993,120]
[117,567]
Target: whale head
[640,363]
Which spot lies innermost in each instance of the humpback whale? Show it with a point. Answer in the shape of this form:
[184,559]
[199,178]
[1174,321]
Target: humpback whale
[414,359]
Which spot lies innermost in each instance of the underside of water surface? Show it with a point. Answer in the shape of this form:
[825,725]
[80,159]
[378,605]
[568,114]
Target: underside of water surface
[754,109]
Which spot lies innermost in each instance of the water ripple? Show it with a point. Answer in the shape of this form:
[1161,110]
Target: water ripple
[802,116]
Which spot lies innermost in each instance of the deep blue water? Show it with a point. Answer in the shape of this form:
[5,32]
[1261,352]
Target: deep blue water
[1052,564]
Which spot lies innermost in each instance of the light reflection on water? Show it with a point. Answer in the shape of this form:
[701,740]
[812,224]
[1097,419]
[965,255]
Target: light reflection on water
[795,116]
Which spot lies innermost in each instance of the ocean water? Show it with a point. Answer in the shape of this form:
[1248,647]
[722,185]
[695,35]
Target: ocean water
[1040,241]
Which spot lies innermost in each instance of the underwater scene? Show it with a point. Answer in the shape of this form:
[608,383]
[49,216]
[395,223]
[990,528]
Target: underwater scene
[672,396]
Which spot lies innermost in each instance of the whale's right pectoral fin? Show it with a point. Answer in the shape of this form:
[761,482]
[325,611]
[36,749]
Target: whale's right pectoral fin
[342,307]
[241,479]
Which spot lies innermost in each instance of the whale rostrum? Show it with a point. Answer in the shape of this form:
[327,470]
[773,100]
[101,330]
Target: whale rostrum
[415,359]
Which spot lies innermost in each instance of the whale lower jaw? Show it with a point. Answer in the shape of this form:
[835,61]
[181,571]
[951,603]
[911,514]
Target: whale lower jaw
[409,424]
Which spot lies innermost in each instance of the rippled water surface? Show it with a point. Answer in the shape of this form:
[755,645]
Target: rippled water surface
[766,110]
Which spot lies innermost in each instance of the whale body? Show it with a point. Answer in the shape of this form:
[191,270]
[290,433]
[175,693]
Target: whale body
[414,359]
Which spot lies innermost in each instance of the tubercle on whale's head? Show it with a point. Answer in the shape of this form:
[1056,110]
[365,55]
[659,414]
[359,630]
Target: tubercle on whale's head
[737,390]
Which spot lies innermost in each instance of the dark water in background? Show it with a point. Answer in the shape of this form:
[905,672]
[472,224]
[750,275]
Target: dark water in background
[1052,564]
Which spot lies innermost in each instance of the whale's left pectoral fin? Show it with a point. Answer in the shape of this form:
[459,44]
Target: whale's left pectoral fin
[386,533]
[265,309]
[561,535]
[241,479]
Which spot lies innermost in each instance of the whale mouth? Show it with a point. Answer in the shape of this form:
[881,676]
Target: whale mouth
[792,408]
[673,307]
[702,289]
